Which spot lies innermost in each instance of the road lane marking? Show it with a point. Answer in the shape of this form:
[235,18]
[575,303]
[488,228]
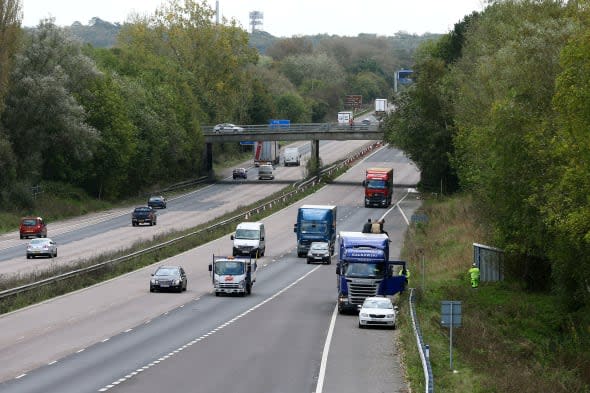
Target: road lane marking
[213,331]
[324,362]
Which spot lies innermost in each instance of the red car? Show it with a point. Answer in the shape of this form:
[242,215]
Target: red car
[32,227]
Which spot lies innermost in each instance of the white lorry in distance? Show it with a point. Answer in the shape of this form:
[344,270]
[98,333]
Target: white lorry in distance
[380,106]
[345,118]
[292,156]
[232,275]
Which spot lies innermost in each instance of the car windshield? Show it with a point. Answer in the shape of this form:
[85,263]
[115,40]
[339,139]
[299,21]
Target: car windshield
[142,209]
[29,223]
[224,268]
[39,241]
[319,246]
[363,270]
[167,271]
[378,303]
[313,227]
[248,234]
[155,199]
[379,184]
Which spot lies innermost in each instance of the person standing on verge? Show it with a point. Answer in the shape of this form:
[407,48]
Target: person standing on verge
[474,276]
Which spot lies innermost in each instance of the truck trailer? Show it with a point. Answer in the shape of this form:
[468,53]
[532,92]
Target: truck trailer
[364,269]
[266,152]
[232,276]
[378,187]
[380,106]
[315,223]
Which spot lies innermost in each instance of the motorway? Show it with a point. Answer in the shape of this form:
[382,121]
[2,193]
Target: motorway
[286,337]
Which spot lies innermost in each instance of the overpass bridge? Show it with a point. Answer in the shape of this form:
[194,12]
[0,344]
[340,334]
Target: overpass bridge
[313,132]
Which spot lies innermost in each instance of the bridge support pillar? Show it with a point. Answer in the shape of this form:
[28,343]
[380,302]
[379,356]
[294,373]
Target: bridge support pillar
[315,164]
[209,160]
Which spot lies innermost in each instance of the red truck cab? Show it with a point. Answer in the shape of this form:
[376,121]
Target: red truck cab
[378,186]
[32,227]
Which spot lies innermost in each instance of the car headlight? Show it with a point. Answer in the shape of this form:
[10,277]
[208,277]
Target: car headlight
[215,282]
[389,315]
[153,281]
[176,282]
[364,315]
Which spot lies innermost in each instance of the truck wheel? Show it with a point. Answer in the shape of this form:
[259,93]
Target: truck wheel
[249,289]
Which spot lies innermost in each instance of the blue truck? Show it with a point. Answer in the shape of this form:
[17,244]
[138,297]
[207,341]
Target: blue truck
[315,223]
[364,269]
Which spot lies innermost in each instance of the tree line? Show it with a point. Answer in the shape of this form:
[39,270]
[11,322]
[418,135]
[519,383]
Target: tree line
[117,120]
[500,109]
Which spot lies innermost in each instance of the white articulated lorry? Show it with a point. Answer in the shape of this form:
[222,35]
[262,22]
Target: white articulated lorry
[232,275]
[292,156]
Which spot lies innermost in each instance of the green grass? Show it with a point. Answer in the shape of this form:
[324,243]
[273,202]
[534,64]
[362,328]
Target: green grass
[510,340]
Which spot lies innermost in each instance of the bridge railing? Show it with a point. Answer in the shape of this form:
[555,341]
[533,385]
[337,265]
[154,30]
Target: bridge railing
[296,127]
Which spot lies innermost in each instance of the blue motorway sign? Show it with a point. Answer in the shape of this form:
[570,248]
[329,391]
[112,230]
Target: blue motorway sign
[280,124]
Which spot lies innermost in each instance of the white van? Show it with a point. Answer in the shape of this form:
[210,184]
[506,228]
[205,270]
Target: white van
[292,156]
[249,239]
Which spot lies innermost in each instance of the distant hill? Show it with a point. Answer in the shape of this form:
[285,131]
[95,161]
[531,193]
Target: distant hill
[103,34]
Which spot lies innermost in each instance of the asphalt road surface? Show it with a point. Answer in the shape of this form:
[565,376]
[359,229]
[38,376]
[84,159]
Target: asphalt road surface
[285,337]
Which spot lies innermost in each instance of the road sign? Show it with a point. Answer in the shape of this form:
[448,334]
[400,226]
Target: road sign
[247,143]
[354,101]
[450,313]
[280,124]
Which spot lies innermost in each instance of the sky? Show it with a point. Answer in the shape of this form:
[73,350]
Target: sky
[281,18]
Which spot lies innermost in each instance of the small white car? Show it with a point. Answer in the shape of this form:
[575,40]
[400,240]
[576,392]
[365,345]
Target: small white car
[41,248]
[227,128]
[377,311]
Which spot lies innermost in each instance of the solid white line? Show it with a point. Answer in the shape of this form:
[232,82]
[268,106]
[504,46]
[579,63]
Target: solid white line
[236,318]
[320,384]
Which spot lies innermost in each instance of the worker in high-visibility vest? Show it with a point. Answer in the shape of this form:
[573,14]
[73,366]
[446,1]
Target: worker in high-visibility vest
[404,271]
[474,275]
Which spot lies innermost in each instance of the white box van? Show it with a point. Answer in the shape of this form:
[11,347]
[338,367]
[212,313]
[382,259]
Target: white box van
[249,239]
[292,156]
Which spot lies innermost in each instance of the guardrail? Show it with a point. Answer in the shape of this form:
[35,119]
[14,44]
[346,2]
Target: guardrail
[423,349]
[299,188]
[295,127]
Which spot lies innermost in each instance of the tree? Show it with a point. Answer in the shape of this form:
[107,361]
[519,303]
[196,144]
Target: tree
[10,19]
[44,120]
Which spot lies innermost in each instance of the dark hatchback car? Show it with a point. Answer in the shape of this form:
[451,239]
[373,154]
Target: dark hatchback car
[168,278]
[144,215]
[240,173]
[157,202]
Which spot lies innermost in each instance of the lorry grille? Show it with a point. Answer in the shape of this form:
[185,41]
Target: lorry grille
[358,292]
[229,286]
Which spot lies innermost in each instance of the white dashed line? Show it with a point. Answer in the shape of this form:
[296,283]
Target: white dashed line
[225,324]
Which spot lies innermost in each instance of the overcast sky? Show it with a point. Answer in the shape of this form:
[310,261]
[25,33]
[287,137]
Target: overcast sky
[281,18]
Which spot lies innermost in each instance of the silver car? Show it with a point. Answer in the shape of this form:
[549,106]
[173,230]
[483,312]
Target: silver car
[227,128]
[377,311]
[319,252]
[41,248]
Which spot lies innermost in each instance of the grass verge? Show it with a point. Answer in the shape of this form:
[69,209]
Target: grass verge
[509,341]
